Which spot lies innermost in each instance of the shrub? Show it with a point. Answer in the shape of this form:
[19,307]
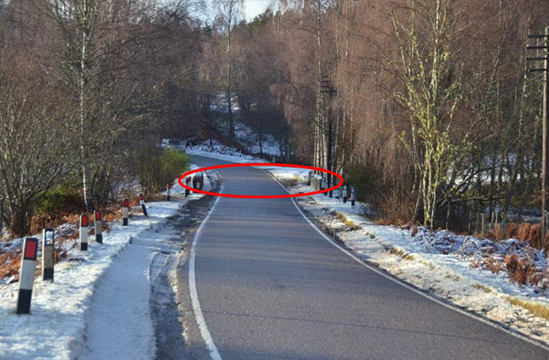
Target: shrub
[362,178]
[162,168]
[61,199]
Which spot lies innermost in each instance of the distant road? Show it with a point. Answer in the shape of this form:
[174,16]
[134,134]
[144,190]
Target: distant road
[271,287]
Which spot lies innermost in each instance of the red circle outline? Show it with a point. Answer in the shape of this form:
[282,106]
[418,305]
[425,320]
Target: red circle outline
[259,196]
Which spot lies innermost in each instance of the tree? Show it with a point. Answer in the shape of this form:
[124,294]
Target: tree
[229,14]
[35,138]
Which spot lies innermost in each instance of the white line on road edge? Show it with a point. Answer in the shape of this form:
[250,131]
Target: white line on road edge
[431,297]
[204,331]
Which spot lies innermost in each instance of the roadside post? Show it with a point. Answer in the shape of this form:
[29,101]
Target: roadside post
[503,225]
[344,194]
[309,176]
[26,275]
[84,223]
[142,202]
[168,192]
[48,253]
[187,182]
[353,195]
[98,222]
[125,212]
[330,184]
[321,184]
[198,181]
[1,216]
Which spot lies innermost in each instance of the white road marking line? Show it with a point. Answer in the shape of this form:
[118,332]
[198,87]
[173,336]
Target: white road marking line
[431,297]
[204,331]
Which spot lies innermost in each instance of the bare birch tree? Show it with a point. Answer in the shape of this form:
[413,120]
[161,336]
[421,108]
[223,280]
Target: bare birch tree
[230,12]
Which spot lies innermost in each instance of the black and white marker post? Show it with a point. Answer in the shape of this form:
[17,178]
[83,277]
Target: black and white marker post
[309,176]
[344,194]
[84,223]
[331,191]
[198,181]
[142,202]
[353,196]
[187,182]
[126,212]
[48,253]
[26,275]
[98,223]
[168,192]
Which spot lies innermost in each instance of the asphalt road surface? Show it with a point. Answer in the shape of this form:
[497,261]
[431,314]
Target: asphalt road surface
[269,286]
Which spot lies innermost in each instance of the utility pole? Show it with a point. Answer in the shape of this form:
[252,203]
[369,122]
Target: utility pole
[543,48]
[329,90]
[1,216]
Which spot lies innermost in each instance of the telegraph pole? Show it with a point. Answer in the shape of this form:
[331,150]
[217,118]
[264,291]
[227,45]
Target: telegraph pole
[1,216]
[329,90]
[542,46]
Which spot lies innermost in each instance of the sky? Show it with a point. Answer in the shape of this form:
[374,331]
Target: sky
[255,7]
[252,8]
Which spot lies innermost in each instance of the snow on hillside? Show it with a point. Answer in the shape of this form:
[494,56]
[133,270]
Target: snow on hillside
[220,151]
[459,269]
[249,139]
[246,137]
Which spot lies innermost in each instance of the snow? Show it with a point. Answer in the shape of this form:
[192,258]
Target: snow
[452,267]
[119,324]
[177,189]
[247,137]
[98,306]
[221,152]
[250,139]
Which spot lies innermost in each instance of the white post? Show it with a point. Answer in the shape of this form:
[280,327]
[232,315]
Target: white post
[26,275]
[125,212]
[48,254]
[187,182]
[84,223]
[143,206]
[98,222]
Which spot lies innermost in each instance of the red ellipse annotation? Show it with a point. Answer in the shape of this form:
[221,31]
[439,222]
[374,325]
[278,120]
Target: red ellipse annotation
[181,182]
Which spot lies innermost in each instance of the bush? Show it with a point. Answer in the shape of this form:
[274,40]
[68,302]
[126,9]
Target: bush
[361,177]
[393,201]
[163,168]
[60,200]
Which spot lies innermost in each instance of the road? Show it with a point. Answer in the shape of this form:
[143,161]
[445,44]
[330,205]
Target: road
[269,286]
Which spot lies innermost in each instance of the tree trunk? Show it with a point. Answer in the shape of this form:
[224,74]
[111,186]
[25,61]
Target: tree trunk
[20,220]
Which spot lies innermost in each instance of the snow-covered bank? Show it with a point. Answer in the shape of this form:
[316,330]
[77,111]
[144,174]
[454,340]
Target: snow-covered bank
[62,317]
[221,152]
[449,266]
[57,320]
